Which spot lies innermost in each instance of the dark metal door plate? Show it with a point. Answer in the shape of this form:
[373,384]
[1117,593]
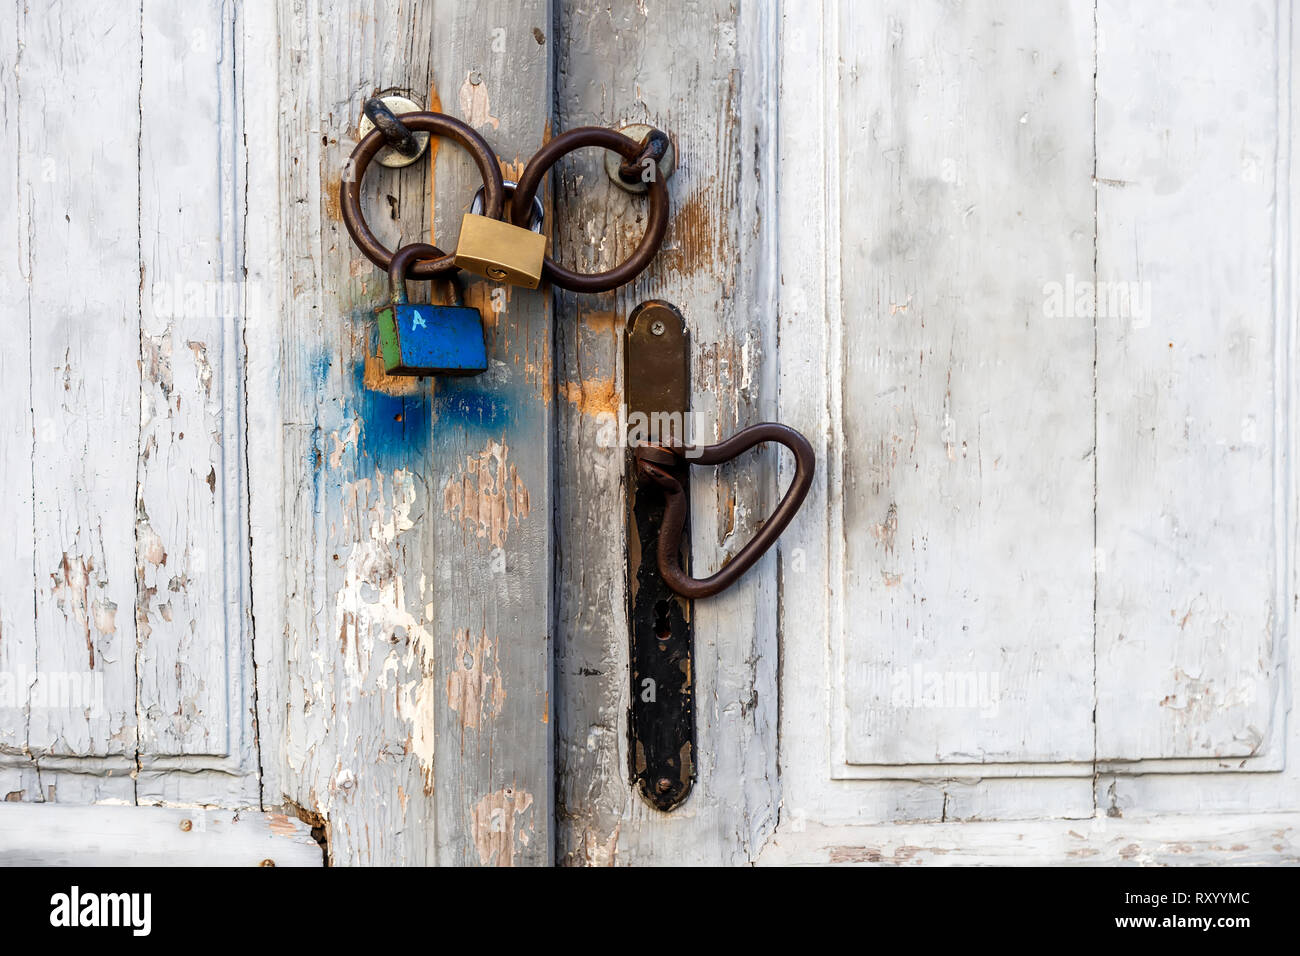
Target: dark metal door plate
[661,722]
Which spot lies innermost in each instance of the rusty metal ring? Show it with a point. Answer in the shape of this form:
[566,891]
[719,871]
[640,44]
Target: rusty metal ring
[436,124]
[656,225]
[650,463]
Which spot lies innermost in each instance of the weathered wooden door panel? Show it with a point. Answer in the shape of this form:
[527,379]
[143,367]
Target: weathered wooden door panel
[1053,578]
[1192,419]
[1024,274]
[966,477]
[178,268]
[129,675]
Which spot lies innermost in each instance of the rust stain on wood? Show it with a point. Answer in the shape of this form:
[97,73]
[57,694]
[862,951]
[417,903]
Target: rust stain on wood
[592,396]
[435,143]
[600,320]
[333,211]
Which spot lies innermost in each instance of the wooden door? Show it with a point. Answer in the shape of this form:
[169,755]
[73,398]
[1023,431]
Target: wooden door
[243,570]
[1044,332]
[1022,273]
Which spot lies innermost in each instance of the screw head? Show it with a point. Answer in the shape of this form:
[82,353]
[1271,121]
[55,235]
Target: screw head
[657,327]
[475,78]
[267,863]
[664,784]
[187,825]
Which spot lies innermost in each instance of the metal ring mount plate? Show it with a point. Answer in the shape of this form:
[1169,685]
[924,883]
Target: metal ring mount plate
[534,223]
[638,132]
[437,124]
[399,105]
[656,225]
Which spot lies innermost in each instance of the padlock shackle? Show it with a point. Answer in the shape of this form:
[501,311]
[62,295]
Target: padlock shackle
[404,260]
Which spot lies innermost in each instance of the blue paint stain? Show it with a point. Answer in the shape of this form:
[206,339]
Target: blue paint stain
[464,403]
[402,431]
[395,430]
[320,370]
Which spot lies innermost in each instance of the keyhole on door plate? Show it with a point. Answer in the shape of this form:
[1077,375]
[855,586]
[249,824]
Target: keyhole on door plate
[663,629]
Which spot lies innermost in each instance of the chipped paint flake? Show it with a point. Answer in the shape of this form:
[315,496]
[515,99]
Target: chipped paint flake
[497,831]
[592,396]
[378,633]
[474,687]
[476,104]
[341,442]
[487,494]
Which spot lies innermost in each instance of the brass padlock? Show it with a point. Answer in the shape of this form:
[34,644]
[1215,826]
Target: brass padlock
[502,251]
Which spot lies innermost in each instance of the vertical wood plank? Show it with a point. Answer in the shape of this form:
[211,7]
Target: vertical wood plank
[80,198]
[266,268]
[17,435]
[193,640]
[625,63]
[1192,416]
[407,563]
[490,477]
[965,156]
[349,550]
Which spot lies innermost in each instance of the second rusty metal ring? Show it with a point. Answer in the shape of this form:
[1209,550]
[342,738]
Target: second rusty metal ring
[656,225]
[436,124]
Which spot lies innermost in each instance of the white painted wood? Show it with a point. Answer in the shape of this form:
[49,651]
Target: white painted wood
[17,435]
[78,197]
[268,293]
[333,594]
[1270,839]
[128,652]
[1192,418]
[957,637]
[705,73]
[1184,157]
[194,676]
[151,836]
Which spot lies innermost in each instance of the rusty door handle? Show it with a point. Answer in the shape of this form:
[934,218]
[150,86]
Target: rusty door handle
[662,465]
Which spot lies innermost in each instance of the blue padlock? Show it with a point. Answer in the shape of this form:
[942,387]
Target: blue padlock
[428,339]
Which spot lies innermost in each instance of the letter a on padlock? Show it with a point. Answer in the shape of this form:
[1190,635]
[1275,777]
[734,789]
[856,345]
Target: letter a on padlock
[428,339]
